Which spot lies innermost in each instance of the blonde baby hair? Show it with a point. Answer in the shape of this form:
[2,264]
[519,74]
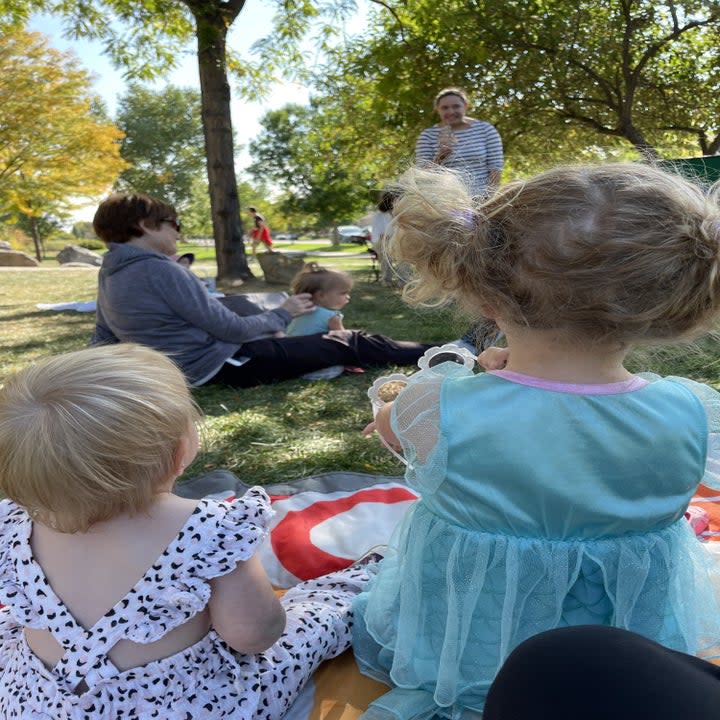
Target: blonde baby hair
[89,434]
[620,251]
[315,278]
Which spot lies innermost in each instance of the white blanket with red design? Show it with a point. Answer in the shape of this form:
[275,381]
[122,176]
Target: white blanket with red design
[322,523]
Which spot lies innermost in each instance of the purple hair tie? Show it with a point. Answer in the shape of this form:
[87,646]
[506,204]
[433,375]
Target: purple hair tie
[466,217]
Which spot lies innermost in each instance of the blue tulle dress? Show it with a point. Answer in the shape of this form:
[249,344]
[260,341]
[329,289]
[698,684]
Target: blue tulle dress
[543,505]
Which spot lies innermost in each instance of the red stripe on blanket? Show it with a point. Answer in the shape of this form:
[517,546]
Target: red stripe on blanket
[295,528]
[711,508]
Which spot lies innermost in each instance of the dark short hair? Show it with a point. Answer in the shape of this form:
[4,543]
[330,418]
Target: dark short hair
[118,218]
[252,209]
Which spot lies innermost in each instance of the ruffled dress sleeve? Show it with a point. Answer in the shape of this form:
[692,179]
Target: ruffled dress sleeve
[216,537]
[10,629]
[238,529]
[16,606]
[416,421]
[710,400]
[13,532]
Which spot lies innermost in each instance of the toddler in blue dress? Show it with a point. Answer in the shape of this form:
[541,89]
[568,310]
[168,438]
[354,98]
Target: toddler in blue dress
[553,486]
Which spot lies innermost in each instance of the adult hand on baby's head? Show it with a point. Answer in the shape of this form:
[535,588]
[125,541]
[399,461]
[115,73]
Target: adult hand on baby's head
[299,304]
[494,358]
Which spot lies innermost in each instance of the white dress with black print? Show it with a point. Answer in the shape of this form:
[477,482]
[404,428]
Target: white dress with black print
[206,679]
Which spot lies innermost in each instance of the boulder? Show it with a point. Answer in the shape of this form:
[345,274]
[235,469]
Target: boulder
[71,265]
[15,258]
[280,268]
[77,254]
[5,245]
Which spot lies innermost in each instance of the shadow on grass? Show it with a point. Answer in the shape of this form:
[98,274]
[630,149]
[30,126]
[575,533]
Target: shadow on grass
[301,400]
[36,315]
[294,429]
[60,342]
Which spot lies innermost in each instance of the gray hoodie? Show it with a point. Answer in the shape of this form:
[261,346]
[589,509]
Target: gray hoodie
[145,297]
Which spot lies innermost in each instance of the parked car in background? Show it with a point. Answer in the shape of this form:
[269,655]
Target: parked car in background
[353,234]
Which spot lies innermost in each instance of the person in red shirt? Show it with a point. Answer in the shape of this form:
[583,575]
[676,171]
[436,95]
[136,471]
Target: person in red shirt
[260,232]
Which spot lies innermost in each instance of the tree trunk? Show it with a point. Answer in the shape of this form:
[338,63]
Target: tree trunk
[211,31]
[638,139]
[37,240]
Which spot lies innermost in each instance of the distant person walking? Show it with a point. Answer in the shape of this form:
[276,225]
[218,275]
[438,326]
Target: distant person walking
[461,143]
[260,232]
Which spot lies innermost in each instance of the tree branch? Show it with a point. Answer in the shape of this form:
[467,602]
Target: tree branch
[591,122]
[394,14]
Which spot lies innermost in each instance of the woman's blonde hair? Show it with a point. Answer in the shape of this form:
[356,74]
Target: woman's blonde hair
[450,91]
[87,435]
[315,278]
[619,251]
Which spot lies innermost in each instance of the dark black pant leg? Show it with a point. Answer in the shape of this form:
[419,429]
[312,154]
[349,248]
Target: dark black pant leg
[595,672]
[378,350]
[276,359]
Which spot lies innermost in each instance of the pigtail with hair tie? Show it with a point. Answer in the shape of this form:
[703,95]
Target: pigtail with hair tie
[467,217]
[714,273]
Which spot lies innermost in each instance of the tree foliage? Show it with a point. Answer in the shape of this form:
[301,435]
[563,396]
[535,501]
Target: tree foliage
[560,80]
[146,36]
[301,151]
[57,149]
[163,143]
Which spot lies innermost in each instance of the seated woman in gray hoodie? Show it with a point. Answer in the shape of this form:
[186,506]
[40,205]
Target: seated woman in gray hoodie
[145,297]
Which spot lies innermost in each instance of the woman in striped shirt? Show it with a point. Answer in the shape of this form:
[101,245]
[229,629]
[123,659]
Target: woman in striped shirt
[471,147]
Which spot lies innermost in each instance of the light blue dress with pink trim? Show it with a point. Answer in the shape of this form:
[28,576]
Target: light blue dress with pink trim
[542,505]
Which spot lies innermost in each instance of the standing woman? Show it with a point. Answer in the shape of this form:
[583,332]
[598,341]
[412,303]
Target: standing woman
[471,147]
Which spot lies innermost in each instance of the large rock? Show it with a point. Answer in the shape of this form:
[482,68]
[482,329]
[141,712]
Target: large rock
[15,258]
[5,245]
[280,268]
[71,265]
[77,254]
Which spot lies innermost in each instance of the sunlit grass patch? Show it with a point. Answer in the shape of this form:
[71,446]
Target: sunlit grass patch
[296,428]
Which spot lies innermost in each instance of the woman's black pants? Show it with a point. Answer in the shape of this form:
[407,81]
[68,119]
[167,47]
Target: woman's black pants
[593,672]
[275,359]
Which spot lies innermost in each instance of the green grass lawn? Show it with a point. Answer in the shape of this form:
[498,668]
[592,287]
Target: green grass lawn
[293,429]
[264,434]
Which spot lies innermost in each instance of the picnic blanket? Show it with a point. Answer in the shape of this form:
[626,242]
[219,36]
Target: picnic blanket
[76,305]
[262,301]
[322,523]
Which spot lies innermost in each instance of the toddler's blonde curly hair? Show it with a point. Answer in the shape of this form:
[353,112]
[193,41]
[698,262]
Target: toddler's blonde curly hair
[620,251]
